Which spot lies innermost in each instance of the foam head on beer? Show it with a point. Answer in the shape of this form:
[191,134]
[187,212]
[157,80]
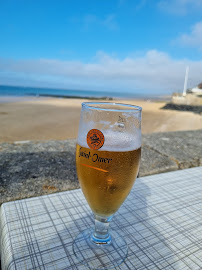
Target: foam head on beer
[122,131]
[114,140]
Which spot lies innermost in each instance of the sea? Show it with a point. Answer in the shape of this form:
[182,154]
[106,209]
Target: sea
[19,92]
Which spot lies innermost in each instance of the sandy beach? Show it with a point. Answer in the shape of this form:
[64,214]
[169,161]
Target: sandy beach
[58,119]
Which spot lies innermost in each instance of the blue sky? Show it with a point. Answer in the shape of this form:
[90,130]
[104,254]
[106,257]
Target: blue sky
[118,45]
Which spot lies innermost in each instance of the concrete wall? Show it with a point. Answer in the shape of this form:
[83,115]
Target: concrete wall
[189,99]
[35,168]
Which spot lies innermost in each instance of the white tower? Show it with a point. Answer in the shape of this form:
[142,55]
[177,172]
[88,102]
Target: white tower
[185,81]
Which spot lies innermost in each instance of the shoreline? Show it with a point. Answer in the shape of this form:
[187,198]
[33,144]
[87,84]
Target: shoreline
[156,98]
[21,98]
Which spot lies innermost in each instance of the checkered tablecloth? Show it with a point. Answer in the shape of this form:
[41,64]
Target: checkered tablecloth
[161,221]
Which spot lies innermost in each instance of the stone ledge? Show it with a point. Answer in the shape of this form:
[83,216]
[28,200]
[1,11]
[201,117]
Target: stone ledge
[182,147]
[152,162]
[33,168]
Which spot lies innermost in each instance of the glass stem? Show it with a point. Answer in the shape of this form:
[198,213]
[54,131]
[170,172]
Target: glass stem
[101,235]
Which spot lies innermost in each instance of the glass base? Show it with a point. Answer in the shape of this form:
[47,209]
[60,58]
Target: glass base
[103,255]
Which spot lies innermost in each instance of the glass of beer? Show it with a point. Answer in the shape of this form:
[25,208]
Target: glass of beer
[107,159]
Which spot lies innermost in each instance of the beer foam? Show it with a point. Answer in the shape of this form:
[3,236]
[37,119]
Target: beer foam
[115,141]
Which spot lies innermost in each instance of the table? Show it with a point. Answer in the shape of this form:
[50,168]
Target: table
[161,221]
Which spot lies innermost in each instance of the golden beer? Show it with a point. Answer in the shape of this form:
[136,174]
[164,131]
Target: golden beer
[106,177]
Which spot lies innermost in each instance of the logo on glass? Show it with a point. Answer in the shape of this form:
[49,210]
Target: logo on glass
[95,139]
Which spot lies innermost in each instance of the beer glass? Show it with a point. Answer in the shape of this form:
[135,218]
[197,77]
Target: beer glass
[107,159]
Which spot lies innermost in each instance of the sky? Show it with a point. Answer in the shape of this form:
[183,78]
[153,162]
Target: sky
[136,46]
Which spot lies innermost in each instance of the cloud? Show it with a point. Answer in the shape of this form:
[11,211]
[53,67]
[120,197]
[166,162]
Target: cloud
[108,21]
[180,7]
[193,39]
[154,72]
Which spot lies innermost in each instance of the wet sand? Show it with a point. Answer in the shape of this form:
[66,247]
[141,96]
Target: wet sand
[58,119]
